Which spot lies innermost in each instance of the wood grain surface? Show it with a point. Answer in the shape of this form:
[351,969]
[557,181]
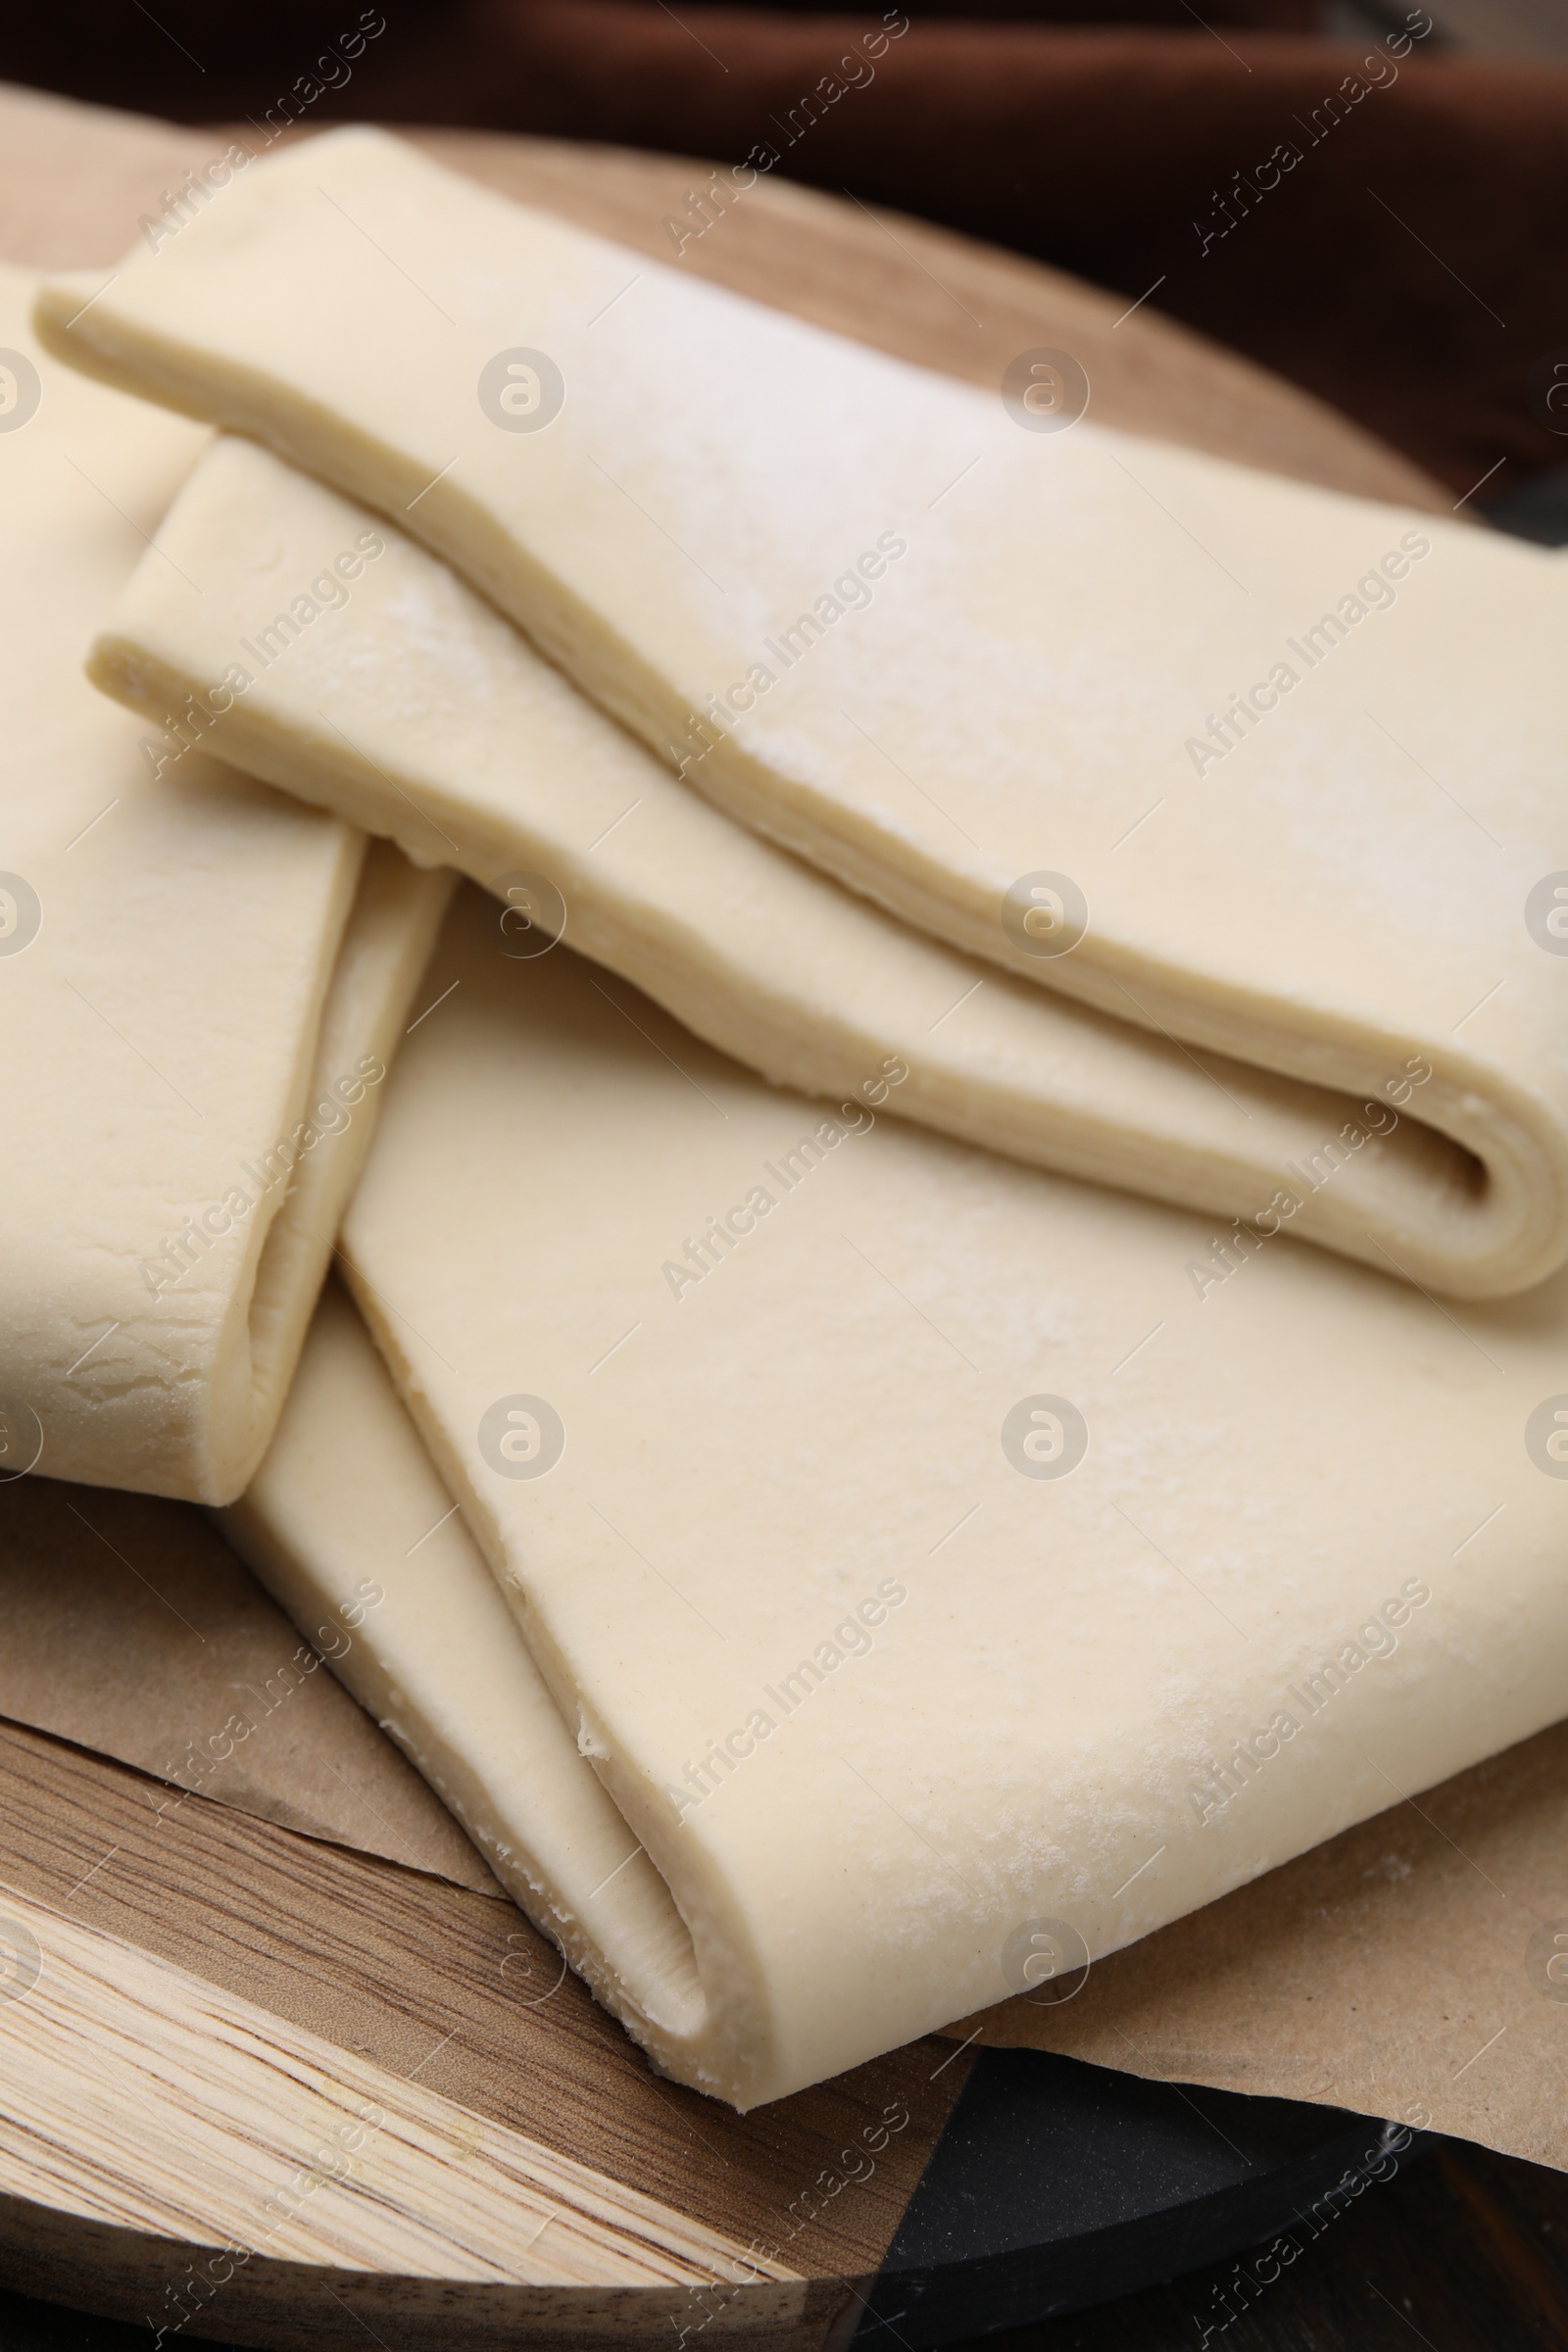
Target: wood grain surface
[368,1980]
[381,2088]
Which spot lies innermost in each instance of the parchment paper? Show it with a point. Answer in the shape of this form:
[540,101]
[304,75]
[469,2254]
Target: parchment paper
[127,1625]
[1414,1967]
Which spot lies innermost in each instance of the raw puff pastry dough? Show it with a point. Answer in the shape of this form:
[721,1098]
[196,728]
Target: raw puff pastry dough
[892,1707]
[1043,683]
[188,965]
[346,1518]
[391,693]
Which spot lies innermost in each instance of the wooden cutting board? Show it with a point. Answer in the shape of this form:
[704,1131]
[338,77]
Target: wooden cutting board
[215,2032]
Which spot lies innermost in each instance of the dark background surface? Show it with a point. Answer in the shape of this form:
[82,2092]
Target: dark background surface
[1412,269]
[1413,266]
[1462,2252]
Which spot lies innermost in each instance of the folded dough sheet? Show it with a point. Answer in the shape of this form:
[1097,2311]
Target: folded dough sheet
[930,1589]
[200,986]
[1271,769]
[390,692]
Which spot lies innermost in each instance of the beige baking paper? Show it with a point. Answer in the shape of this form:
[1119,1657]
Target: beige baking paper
[131,1628]
[1415,1967]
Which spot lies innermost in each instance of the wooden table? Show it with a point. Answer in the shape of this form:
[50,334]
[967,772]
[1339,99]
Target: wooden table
[385,2084]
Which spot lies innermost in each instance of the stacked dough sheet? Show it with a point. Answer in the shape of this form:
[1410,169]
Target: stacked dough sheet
[874,1498]
[200,983]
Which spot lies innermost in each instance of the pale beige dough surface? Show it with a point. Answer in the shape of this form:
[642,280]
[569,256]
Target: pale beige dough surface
[1024,690]
[188,965]
[348,1517]
[390,693]
[883,1708]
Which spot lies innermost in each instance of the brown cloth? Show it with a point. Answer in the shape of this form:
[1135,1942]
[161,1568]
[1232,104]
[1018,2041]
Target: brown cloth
[1409,265]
